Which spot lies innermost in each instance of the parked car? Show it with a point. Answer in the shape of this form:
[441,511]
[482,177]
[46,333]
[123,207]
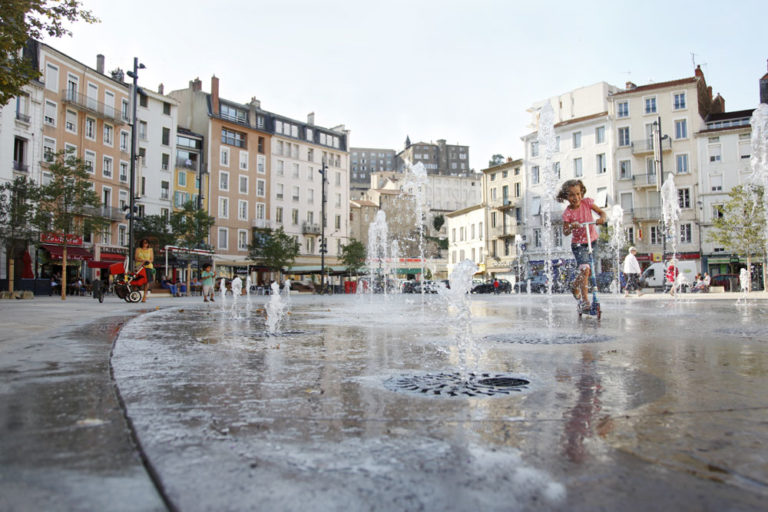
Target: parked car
[730,282]
[415,287]
[487,287]
[538,284]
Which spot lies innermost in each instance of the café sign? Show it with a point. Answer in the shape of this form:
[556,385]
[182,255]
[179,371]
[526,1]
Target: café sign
[61,238]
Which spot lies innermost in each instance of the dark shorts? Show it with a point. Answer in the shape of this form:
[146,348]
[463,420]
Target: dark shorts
[581,253]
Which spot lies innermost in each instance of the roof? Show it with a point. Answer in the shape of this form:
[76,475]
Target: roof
[465,210]
[660,85]
[363,202]
[737,114]
[512,163]
[580,119]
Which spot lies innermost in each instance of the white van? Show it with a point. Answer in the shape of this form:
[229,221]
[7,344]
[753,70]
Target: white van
[653,276]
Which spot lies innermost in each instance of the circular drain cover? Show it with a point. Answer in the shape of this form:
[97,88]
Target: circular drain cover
[457,384]
[548,338]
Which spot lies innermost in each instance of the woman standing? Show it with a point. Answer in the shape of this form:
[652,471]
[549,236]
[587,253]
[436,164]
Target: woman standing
[144,257]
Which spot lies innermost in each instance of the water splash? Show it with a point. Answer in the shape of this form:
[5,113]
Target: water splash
[670,215]
[548,142]
[759,159]
[276,307]
[618,240]
[416,184]
[458,301]
[377,260]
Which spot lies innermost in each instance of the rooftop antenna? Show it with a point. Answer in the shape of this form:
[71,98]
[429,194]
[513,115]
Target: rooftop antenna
[693,60]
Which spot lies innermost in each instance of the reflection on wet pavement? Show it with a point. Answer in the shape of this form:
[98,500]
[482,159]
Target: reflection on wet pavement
[646,401]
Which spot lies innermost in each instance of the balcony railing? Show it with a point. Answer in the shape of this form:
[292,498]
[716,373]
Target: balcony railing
[262,224]
[503,204]
[20,167]
[647,213]
[644,180]
[93,106]
[504,231]
[23,117]
[186,163]
[646,146]
[309,228]
[109,212]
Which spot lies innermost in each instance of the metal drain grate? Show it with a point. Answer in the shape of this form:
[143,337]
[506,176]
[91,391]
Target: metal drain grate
[457,384]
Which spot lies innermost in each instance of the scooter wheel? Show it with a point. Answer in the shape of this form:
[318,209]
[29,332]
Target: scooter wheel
[101,298]
[134,296]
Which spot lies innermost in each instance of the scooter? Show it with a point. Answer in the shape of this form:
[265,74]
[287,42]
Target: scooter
[594,308]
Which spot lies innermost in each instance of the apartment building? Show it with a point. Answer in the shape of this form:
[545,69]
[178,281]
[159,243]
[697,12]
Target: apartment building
[190,182]
[300,153]
[156,138]
[438,158]
[361,213]
[466,237]
[677,109]
[363,162]
[86,112]
[583,150]
[504,200]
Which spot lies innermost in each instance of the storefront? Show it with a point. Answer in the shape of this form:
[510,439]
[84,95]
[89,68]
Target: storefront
[731,265]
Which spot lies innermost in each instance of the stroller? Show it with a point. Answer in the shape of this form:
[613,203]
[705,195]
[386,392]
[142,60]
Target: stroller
[128,286]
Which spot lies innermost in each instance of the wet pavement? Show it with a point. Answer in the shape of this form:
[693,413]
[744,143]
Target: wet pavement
[662,404]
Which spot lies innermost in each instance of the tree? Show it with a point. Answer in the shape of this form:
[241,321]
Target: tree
[495,160]
[22,20]
[273,249]
[191,226]
[68,205]
[353,256]
[155,227]
[17,208]
[741,227]
[438,221]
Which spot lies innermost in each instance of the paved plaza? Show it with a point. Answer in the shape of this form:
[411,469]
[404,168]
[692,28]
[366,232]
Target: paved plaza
[175,404]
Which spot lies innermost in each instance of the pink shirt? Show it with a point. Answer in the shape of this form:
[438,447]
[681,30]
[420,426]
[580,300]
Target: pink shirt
[581,214]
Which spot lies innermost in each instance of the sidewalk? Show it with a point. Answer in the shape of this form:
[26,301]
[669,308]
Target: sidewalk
[64,442]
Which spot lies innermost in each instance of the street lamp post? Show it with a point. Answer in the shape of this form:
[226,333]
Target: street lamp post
[659,159]
[132,185]
[323,250]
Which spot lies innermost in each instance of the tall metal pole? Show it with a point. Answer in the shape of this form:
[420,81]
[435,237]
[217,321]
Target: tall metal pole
[132,182]
[323,249]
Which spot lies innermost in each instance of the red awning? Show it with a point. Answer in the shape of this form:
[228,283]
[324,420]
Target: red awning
[99,264]
[112,256]
[73,253]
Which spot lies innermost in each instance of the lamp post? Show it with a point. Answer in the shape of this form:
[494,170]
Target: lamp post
[323,171]
[132,185]
[659,160]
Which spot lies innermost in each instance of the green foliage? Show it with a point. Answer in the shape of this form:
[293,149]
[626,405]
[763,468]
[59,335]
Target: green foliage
[438,221]
[741,229]
[68,203]
[17,208]
[21,20]
[190,226]
[495,160]
[154,227]
[273,249]
[353,256]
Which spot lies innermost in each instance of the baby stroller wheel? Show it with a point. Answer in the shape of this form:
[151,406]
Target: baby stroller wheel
[134,296]
[101,297]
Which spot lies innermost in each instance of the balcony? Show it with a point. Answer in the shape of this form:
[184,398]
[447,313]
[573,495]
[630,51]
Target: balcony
[310,228]
[644,180]
[23,118]
[94,107]
[262,224]
[644,146]
[504,204]
[505,231]
[108,212]
[20,167]
[647,213]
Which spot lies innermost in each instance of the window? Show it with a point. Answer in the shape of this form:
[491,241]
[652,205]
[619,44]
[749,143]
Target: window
[656,235]
[106,169]
[537,237]
[224,207]
[231,113]
[535,174]
[182,178]
[626,202]
[576,140]
[261,186]
[165,161]
[260,145]
[650,105]
[685,233]
[51,77]
[678,101]
[714,153]
[143,100]
[337,222]
[717,211]
[224,157]
[49,114]
[71,122]
[517,189]
[109,135]
[681,163]
[600,163]
[681,129]
[295,194]
[338,179]
[622,109]
[165,189]
[625,169]
[578,169]
[716,182]
[310,154]
[232,138]
[556,169]
[124,141]
[223,180]
[295,216]
[261,166]
[166,137]
[89,159]
[243,186]
[534,148]
[49,149]
[684,198]
[295,172]
[123,171]
[279,191]
[745,148]
[623,133]
[143,130]
[243,160]
[600,135]
[279,215]
[90,128]
[166,108]
[242,240]
[242,209]
[223,234]
[338,201]
[311,196]
[280,168]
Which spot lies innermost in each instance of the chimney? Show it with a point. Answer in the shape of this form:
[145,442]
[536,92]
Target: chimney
[764,89]
[196,84]
[630,85]
[100,64]
[699,73]
[160,89]
[255,103]
[311,118]
[215,94]
[718,104]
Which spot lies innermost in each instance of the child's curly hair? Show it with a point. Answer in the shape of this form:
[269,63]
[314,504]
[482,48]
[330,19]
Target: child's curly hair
[563,194]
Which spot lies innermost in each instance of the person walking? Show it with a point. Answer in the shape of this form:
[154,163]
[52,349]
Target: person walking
[144,256]
[206,278]
[632,272]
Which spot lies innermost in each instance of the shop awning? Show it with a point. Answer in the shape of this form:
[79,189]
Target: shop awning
[99,263]
[315,269]
[112,256]
[73,253]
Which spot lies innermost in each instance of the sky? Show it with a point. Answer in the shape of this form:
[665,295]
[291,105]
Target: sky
[463,71]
